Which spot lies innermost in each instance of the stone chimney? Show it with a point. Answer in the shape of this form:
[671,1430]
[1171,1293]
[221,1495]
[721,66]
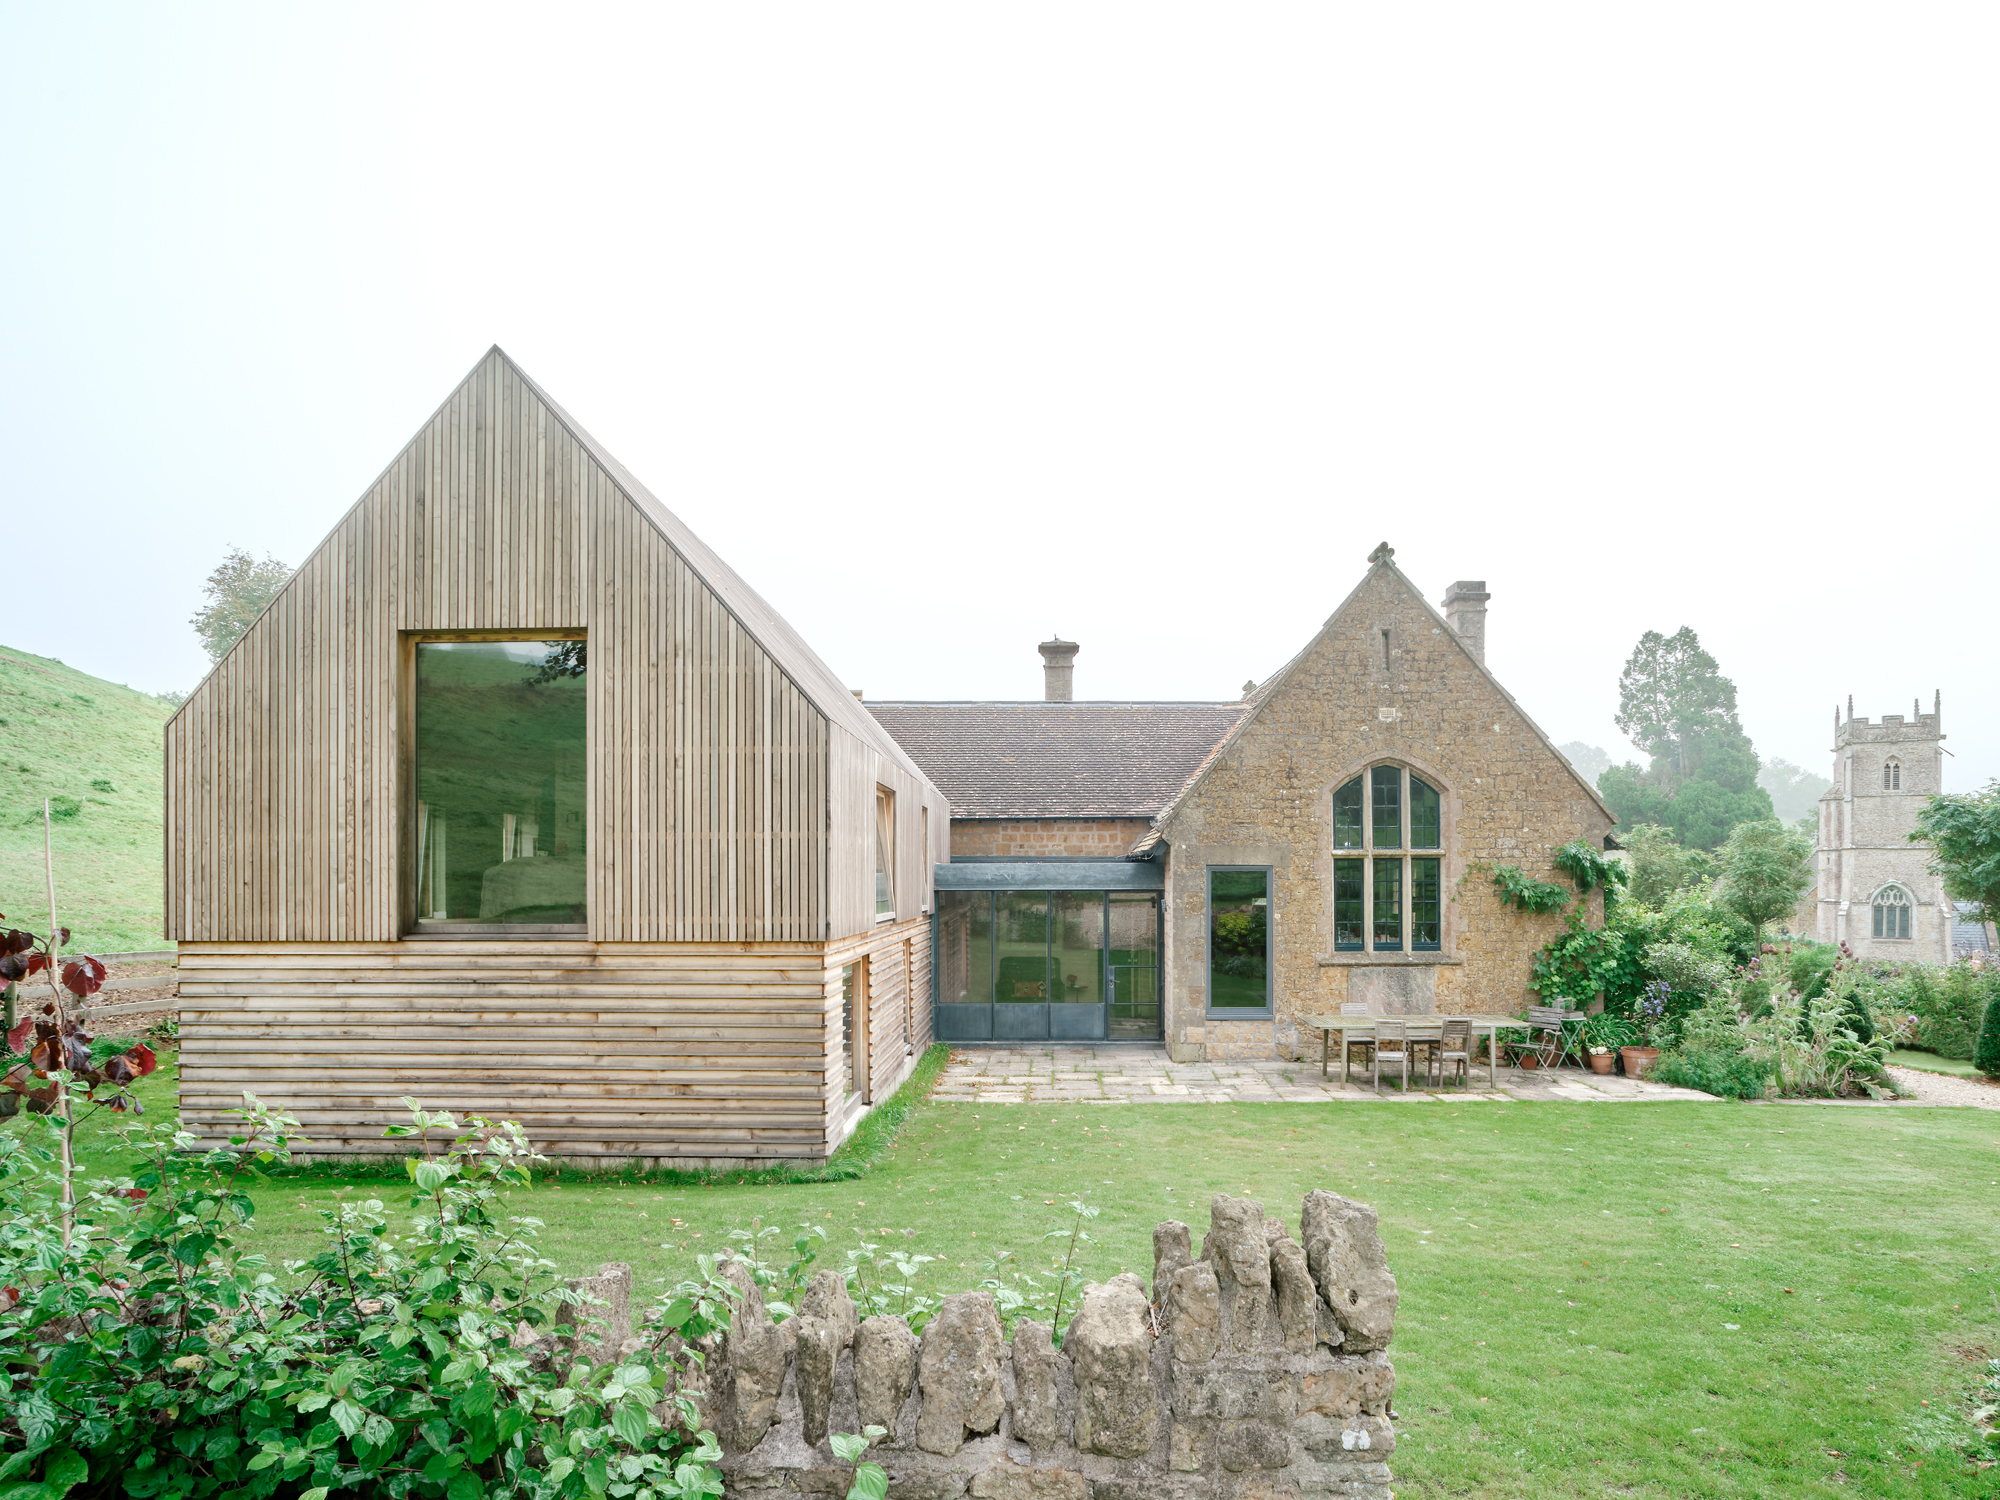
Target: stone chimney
[1058,670]
[1465,608]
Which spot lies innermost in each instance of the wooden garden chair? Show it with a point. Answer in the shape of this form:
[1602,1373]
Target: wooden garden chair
[1349,1041]
[1454,1049]
[1392,1043]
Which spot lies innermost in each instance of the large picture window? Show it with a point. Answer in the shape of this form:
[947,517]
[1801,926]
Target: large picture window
[500,783]
[1388,892]
[1239,942]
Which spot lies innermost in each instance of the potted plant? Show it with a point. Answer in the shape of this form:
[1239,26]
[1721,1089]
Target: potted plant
[1603,1035]
[1647,1017]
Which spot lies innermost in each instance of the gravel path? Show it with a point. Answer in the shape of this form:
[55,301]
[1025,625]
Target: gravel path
[1942,1088]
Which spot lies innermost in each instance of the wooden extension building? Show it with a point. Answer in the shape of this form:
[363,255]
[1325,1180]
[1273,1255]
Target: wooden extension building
[518,801]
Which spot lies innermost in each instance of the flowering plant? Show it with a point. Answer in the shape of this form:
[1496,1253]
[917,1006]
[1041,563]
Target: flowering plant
[1651,1010]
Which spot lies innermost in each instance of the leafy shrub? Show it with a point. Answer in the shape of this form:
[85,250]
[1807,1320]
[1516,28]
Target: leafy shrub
[65,809]
[156,1352]
[1987,1058]
[1731,1075]
[1944,1006]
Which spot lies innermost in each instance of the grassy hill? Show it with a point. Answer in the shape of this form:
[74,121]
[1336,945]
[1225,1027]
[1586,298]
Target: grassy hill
[94,746]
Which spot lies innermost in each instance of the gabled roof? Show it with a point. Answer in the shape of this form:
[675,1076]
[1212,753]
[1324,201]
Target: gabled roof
[1382,557]
[1058,760]
[766,626]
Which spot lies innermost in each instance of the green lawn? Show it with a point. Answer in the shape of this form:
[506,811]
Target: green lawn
[1930,1062]
[1710,1300]
[64,733]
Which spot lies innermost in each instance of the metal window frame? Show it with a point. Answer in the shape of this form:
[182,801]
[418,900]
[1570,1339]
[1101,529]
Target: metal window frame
[1239,1012]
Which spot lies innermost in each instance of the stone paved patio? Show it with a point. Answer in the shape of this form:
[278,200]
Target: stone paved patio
[1127,1074]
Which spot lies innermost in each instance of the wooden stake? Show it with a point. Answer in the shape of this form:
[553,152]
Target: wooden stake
[62,1040]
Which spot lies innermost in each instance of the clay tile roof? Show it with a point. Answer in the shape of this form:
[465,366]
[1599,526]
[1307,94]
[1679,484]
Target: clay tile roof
[1058,760]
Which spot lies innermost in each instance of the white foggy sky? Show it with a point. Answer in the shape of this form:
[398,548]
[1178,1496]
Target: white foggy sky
[952,327]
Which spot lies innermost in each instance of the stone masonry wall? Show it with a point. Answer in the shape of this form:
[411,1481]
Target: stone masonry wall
[1254,1372]
[1045,838]
[1352,700]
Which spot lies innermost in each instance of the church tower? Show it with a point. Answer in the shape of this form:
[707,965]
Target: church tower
[1875,893]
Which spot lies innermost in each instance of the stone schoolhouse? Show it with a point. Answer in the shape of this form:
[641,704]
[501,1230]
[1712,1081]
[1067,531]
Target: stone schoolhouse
[1210,874]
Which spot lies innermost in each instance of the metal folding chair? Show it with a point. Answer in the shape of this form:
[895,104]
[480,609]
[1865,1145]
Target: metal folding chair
[1391,1042]
[1545,1035]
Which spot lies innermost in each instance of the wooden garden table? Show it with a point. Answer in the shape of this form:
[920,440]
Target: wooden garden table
[1364,1026]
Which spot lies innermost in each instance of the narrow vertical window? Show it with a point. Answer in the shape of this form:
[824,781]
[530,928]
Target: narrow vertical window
[1426,905]
[1388,905]
[1387,782]
[885,852]
[1426,821]
[1349,933]
[1239,971]
[1347,816]
[848,975]
[1892,776]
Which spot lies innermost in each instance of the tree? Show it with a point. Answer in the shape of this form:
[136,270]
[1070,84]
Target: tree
[1656,866]
[1765,868]
[1590,761]
[1673,700]
[237,592]
[1963,828]
[1795,791]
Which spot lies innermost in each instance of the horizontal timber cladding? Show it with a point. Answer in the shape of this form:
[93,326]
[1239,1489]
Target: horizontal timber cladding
[692,1052]
[712,726]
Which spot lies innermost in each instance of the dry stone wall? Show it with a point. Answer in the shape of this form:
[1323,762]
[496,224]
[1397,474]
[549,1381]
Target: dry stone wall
[1255,1371]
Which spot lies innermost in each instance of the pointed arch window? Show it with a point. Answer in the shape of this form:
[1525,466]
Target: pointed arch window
[1892,775]
[1388,885]
[1892,912]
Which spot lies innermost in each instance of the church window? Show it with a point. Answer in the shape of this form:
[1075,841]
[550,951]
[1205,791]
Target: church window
[1387,900]
[1892,775]
[1892,912]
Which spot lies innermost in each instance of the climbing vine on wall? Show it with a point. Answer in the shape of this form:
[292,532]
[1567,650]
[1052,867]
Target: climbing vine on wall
[1588,868]
[1528,893]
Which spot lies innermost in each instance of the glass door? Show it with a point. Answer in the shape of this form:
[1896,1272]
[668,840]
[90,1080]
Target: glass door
[1021,966]
[1133,1009]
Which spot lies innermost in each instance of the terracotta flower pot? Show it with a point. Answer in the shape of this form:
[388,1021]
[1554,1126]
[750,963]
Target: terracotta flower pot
[1527,1062]
[1601,1062]
[1639,1060]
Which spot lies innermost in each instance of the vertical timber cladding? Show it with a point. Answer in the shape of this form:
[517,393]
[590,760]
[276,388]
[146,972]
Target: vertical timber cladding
[710,818]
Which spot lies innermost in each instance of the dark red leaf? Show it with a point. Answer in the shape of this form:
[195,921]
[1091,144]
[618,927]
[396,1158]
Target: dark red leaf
[13,967]
[44,1054]
[18,1037]
[142,1059]
[64,943]
[83,976]
[14,940]
[10,1297]
[34,963]
[118,1071]
[76,1053]
[137,1195]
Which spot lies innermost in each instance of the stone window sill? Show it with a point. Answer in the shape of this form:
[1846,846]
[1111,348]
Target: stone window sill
[1379,960]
